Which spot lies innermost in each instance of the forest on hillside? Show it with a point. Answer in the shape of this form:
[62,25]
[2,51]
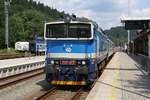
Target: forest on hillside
[119,35]
[26,20]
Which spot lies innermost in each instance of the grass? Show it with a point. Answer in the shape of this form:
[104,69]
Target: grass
[12,53]
[11,50]
[8,51]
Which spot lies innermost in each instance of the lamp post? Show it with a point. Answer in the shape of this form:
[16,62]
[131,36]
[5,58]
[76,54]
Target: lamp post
[6,4]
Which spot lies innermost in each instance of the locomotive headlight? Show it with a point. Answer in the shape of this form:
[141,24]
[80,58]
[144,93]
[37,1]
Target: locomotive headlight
[52,61]
[83,62]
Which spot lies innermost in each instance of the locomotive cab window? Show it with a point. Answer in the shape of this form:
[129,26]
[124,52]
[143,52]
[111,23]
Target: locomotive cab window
[71,30]
[79,31]
[55,31]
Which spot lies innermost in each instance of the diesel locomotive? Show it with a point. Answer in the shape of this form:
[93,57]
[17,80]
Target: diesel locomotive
[75,49]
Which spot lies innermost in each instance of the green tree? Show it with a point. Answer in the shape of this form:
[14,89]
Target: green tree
[119,35]
[26,20]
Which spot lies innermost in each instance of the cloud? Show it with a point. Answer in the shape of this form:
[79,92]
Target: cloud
[106,13]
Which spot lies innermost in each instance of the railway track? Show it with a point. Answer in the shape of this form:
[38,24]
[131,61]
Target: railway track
[62,94]
[47,94]
[68,94]
[78,94]
[14,79]
[52,94]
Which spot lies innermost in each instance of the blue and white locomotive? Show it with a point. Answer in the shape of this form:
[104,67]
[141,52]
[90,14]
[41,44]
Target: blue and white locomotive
[74,51]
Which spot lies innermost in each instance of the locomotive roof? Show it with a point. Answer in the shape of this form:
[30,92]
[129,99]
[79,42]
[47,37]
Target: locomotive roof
[57,22]
[86,21]
[77,21]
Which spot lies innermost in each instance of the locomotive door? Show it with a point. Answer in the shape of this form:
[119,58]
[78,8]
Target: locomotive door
[97,46]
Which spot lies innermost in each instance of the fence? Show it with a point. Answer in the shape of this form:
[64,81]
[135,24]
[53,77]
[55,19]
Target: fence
[144,62]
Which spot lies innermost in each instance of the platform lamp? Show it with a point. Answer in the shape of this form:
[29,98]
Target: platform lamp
[6,5]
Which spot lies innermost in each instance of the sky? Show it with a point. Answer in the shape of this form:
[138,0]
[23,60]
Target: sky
[107,13]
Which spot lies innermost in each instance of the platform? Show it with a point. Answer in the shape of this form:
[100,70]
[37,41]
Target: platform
[122,79]
[20,61]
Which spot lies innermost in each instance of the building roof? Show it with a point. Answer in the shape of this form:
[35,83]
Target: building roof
[123,19]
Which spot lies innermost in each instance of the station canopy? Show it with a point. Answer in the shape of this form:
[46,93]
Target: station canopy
[136,23]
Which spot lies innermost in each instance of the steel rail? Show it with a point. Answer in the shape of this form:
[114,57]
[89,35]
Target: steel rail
[78,94]
[47,94]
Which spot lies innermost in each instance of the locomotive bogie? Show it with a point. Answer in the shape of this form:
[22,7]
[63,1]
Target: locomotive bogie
[71,70]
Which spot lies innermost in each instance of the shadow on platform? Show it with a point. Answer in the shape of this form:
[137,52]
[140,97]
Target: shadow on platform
[121,69]
[126,90]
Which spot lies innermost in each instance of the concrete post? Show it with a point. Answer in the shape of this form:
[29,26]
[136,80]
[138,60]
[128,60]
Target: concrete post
[149,45]
[6,24]
[128,41]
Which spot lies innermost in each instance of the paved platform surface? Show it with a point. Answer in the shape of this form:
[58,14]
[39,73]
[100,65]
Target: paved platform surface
[20,61]
[122,79]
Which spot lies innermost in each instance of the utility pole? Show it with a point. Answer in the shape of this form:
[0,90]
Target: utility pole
[52,4]
[6,4]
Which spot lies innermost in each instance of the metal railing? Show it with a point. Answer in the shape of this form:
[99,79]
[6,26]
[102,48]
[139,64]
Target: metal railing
[143,61]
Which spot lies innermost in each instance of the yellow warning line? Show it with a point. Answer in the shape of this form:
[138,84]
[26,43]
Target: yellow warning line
[115,82]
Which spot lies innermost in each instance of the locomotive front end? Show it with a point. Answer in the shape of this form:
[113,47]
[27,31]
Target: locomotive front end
[70,53]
